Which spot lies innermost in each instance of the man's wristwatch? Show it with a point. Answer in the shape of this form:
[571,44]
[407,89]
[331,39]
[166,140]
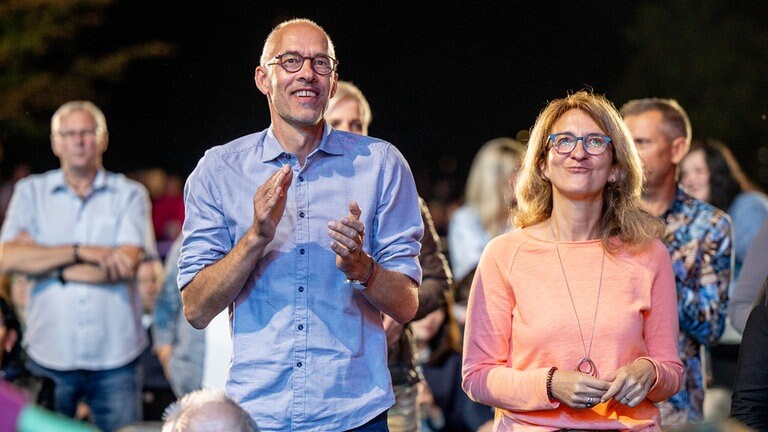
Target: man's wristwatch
[60,275]
[76,253]
[360,285]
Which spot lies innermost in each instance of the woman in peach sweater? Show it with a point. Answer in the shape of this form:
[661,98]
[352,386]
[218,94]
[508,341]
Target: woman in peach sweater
[572,319]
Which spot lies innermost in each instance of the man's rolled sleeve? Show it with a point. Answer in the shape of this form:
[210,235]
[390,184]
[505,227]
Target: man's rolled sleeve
[20,217]
[206,236]
[398,226]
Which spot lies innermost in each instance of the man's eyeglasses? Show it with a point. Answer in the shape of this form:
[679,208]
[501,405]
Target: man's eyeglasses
[292,62]
[71,134]
[565,143]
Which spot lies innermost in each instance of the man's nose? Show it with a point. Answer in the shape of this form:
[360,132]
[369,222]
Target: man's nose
[306,70]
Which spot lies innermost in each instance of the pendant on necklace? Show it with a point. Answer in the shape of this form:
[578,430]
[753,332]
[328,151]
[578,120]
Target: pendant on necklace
[587,366]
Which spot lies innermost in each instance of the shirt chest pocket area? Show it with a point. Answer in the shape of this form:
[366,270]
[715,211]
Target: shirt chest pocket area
[101,230]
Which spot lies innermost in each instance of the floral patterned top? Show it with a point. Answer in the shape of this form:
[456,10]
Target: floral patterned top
[698,237]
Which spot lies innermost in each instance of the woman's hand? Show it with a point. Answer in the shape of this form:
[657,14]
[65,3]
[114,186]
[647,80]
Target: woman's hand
[578,390]
[631,383]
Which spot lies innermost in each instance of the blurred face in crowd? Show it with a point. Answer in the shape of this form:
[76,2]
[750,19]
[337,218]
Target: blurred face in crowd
[149,284]
[297,98]
[694,175]
[659,153]
[7,339]
[578,175]
[426,328]
[344,115]
[77,144]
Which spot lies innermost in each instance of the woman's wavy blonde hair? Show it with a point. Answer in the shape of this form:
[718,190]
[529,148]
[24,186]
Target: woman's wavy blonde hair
[487,187]
[622,216]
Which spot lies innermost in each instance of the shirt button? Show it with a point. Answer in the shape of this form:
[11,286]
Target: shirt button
[301,327]
[299,364]
[301,251]
[301,178]
[301,289]
[301,214]
[288,157]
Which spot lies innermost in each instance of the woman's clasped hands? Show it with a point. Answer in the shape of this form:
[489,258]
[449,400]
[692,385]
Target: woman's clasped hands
[628,385]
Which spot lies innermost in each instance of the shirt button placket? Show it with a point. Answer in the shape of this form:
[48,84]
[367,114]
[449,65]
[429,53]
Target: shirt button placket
[300,373]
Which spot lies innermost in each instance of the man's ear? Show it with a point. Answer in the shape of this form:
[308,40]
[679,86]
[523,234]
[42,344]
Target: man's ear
[104,142]
[55,146]
[261,78]
[679,149]
[334,84]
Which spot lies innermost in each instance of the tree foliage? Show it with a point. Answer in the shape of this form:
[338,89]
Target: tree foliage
[712,56]
[52,51]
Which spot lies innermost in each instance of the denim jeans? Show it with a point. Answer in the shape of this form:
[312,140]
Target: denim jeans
[377,424]
[113,395]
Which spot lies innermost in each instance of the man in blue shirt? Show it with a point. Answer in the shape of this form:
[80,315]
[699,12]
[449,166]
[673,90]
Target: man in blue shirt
[80,232]
[698,237]
[308,263]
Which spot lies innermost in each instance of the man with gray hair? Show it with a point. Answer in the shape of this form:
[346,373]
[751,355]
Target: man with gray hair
[80,232]
[307,264]
[207,410]
[698,237]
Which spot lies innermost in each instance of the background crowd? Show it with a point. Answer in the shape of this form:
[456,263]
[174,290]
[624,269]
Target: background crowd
[710,233]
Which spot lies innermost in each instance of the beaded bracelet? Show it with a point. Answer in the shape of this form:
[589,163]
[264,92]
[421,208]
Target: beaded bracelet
[550,374]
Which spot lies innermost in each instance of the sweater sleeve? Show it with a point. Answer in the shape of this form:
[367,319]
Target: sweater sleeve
[661,330]
[487,377]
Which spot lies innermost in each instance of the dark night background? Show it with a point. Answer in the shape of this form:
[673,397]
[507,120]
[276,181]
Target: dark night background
[441,79]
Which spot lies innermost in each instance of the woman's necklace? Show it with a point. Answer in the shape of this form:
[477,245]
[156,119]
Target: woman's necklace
[585,365]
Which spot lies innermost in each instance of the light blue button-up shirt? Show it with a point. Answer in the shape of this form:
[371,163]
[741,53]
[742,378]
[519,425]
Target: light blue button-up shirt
[78,325]
[309,350]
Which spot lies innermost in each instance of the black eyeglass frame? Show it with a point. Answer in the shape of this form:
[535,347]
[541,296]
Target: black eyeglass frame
[278,60]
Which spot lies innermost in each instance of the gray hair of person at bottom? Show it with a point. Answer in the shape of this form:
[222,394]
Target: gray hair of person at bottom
[207,410]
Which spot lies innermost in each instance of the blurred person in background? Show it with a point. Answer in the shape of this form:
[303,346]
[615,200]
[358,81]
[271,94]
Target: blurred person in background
[349,111]
[80,232]
[444,405]
[180,347]
[207,410]
[753,272]
[749,403]
[38,390]
[148,282]
[711,173]
[572,320]
[156,389]
[166,194]
[20,171]
[698,237]
[489,197]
